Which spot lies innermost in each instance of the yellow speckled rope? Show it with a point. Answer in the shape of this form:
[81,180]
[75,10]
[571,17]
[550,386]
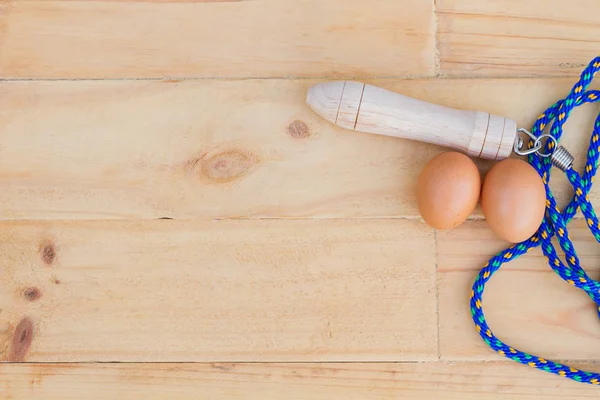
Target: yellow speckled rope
[555,223]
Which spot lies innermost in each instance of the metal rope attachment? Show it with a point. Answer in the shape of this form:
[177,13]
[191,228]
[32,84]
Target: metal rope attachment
[543,155]
[560,157]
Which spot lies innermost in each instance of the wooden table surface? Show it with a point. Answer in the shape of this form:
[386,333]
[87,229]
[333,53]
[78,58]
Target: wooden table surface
[177,224]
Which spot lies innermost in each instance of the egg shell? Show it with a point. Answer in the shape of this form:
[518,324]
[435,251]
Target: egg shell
[448,190]
[513,200]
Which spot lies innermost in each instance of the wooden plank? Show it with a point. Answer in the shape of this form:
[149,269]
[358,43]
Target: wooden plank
[250,148]
[526,304]
[418,381]
[191,149]
[231,38]
[318,290]
[523,38]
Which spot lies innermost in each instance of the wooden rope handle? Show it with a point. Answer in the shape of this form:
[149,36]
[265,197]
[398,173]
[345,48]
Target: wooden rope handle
[365,108]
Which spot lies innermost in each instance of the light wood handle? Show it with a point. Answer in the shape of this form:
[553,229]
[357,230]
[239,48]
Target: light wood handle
[365,108]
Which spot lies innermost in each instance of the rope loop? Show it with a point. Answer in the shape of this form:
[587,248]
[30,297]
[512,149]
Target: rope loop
[554,224]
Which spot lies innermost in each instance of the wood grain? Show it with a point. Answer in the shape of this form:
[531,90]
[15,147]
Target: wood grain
[194,39]
[175,222]
[517,38]
[223,381]
[330,290]
[526,304]
[230,149]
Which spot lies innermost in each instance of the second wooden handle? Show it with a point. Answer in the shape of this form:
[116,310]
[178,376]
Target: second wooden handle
[365,108]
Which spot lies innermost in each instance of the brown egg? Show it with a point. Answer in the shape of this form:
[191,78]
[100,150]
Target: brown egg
[513,200]
[448,190]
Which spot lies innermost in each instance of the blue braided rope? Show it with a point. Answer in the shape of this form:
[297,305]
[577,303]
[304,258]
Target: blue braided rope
[554,223]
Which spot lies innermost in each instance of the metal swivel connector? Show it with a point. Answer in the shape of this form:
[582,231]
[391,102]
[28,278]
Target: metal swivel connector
[560,157]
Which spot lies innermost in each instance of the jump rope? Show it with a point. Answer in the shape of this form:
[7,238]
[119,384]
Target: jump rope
[554,223]
[365,108]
